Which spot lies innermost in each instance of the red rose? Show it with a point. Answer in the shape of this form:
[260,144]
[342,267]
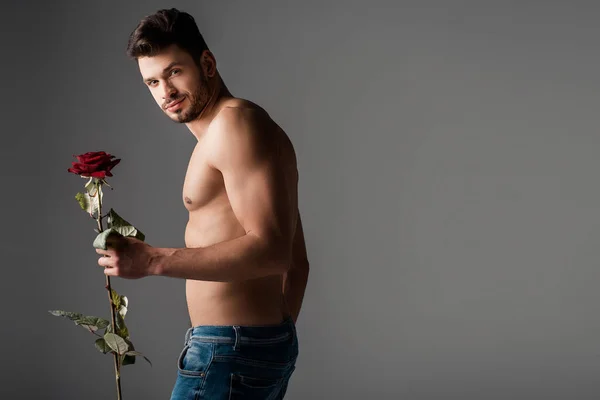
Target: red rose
[96,164]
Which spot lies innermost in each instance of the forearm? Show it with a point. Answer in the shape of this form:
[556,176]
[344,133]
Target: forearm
[246,257]
[294,286]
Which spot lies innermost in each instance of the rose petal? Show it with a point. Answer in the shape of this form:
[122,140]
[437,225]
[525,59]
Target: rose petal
[94,163]
[113,163]
[84,158]
[99,174]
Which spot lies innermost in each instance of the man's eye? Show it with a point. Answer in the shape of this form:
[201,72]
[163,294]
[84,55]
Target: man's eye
[174,70]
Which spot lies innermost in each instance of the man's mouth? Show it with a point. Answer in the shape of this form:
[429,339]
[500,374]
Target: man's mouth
[174,103]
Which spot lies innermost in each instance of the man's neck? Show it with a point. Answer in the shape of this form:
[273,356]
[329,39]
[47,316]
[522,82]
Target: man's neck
[199,126]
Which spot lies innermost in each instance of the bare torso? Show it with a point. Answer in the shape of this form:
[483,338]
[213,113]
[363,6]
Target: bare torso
[211,220]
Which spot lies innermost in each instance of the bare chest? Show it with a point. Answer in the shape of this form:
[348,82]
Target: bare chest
[211,217]
[202,184]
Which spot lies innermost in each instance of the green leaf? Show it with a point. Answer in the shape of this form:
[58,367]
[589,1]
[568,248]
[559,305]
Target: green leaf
[120,302]
[122,329]
[116,298]
[90,185]
[137,353]
[116,343]
[100,241]
[90,200]
[117,223]
[82,200]
[130,343]
[92,323]
[102,346]
[127,360]
[67,314]
[123,307]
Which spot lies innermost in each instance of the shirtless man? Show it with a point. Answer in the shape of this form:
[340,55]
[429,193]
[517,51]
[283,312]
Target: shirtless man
[245,261]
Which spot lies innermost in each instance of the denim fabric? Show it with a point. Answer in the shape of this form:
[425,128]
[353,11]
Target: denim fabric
[236,362]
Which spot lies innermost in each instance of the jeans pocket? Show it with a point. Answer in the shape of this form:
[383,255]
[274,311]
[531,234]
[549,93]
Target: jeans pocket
[195,358]
[245,386]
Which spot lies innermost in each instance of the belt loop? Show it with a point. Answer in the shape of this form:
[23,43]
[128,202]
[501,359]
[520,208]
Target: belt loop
[188,335]
[236,345]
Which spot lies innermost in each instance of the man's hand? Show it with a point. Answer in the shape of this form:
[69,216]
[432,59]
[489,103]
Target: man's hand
[126,257]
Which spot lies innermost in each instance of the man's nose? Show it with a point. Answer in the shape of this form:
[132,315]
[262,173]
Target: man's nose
[168,91]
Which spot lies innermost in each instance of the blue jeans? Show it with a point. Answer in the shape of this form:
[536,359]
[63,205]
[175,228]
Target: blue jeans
[236,362]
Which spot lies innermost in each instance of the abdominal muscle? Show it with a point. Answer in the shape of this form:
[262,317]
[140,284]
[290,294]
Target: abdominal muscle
[252,302]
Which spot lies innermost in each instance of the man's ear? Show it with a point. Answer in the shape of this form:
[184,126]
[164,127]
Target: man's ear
[208,63]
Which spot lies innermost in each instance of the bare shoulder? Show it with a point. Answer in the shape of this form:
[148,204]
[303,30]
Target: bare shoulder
[239,116]
[245,125]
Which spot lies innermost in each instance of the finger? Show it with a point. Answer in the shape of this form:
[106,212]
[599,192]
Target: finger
[100,251]
[111,272]
[105,262]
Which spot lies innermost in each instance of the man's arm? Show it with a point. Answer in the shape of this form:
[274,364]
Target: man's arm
[243,150]
[294,280]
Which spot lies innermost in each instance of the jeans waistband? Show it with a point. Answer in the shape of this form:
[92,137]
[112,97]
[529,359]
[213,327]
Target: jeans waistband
[238,334]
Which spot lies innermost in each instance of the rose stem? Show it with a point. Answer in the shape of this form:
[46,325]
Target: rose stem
[110,299]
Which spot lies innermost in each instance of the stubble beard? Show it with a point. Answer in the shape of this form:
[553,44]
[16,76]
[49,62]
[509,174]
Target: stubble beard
[198,101]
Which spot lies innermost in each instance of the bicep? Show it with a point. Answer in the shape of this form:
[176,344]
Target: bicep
[255,183]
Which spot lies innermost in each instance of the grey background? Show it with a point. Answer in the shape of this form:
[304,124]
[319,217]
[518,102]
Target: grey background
[449,192]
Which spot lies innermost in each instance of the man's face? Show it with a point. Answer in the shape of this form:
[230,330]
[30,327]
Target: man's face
[177,84]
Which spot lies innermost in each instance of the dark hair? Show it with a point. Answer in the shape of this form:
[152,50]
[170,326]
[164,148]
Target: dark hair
[160,30]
